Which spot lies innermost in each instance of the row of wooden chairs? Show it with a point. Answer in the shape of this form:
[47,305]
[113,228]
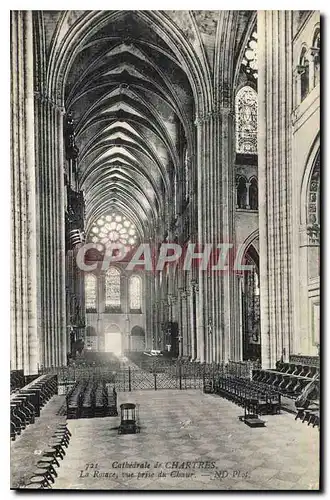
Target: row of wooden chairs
[45,473]
[90,398]
[74,399]
[297,369]
[256,399]
[310,415]
[26,404]
[289,385]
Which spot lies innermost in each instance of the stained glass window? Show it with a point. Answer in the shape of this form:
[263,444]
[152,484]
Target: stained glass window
[112,288]
[135,292]
[314,194]
[113,228]
[250,60]
[246,111]
[90,292]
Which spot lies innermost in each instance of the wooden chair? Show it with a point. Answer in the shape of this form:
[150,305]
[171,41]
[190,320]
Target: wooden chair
[39,482]
[47,463]
[55,449]
[43,470]
[50,453]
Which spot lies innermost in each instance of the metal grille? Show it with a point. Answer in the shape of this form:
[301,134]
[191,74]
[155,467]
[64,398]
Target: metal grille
[162,374]
[122,381]
[142,380]
[167,381]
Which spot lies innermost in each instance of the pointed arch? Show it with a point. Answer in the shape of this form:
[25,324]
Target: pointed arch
[65,49]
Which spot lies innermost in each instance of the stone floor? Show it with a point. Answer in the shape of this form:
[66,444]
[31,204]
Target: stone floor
[25,451]
[178,427]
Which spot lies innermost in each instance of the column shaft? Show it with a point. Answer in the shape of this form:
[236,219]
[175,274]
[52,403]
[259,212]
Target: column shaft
[24,311]
[274,157]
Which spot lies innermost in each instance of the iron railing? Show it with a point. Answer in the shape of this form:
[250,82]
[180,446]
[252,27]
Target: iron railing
[157,374]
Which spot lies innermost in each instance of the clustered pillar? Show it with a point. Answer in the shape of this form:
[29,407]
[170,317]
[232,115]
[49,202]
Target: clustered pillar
[49,162]
[215,226]
[25,321]
[274,156]
[38,246]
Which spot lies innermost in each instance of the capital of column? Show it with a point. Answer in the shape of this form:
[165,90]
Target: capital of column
[206,117]
[312,53]
[46,99]
[174,299]
[298,70]
[222,111]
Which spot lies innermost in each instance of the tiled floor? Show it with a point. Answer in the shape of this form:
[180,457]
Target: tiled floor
[190,440]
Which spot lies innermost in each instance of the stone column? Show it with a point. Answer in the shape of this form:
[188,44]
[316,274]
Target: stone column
[310,56]
[189,323]
[184,324]
[61,241]
[297,79]
[100,311]
[274,165]
[314,53]
[49,158]
[200,348]
[215,226]
[24,237]
[124,299]
[192,297]
[147,307]
[238,352]
[248,184]
[157,326]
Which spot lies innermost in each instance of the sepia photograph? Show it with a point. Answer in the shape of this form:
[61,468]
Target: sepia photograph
[165,250]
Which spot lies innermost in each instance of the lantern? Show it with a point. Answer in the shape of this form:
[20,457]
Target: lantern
[128,419]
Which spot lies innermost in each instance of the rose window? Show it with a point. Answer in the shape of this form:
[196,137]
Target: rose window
[113,228]
[250,59]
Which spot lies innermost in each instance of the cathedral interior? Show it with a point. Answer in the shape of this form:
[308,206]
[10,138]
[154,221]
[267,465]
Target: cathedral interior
[182,130]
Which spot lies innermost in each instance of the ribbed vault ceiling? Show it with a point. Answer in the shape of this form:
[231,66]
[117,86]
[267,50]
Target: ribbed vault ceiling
[133,108]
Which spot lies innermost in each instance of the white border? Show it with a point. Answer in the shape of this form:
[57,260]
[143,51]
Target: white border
[323,6]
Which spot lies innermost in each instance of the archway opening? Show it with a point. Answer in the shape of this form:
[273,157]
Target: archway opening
[251,307]
[113,341]
[137,339]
